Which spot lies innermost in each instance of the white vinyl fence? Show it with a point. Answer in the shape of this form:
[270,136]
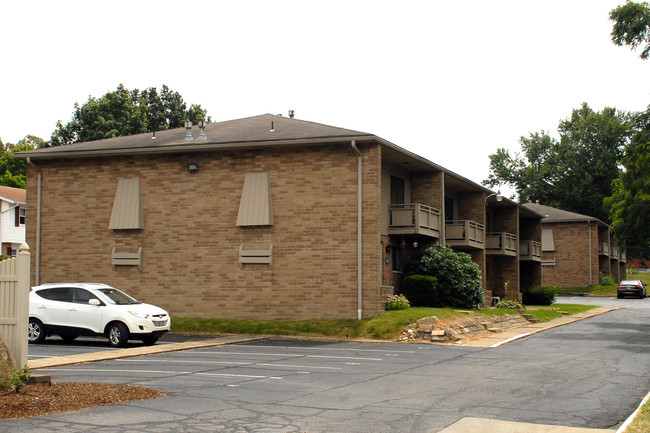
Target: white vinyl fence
[14,303]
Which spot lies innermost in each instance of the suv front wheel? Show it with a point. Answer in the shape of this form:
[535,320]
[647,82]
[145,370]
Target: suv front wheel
[118,335]
[35,331]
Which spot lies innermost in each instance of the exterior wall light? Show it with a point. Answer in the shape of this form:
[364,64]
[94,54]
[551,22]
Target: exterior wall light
[497,194]
[193,167]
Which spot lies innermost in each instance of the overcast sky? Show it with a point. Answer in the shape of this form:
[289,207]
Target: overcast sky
[448,80]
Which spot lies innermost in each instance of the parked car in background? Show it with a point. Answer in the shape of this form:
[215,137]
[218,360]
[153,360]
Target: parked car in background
[631,288]
[74,309]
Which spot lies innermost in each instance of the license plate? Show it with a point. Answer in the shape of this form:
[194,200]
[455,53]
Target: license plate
[159,322]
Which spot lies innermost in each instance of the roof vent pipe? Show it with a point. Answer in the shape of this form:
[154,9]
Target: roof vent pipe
[202,130]
[188,131]
[292,113]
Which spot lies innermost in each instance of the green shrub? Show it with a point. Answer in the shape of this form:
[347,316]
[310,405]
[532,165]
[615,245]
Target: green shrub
[511,304]
[606,280]
[459,278]
[421,290]
[397,302]
[539,295]
[18,378]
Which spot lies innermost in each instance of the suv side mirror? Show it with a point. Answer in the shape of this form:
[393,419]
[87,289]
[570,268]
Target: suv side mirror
[94,302]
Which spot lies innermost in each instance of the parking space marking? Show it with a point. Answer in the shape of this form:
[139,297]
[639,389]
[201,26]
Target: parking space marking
[252,364]
[189,373]
[289,355]
[339,349]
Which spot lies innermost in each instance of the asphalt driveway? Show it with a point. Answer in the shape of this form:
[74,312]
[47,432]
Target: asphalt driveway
[590,374]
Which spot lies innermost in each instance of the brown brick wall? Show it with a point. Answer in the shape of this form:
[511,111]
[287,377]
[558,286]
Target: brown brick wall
[190,241]
[572,258]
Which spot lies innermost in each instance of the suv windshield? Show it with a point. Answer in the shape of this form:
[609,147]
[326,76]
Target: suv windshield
[119,297]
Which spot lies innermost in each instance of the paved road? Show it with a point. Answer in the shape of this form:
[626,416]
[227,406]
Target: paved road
[589,374]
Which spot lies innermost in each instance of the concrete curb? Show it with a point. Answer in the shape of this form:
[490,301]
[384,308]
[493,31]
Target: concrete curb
[140,351]
[482,425]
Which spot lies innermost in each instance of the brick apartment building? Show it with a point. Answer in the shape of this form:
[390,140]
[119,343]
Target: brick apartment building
[264,217]
[577,249]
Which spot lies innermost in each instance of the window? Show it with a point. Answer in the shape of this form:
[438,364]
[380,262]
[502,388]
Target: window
[55,294]
[127,207]
[255,205]
[547,240]
[20,214]
[81,296]
[396,190]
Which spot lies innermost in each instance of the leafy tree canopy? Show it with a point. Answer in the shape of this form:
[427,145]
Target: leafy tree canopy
[126,112]
[573,173]
[12,171]
[630,199]
[631,26]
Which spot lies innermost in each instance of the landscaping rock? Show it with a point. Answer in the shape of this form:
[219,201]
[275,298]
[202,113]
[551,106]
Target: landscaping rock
[432,329]
[7,363]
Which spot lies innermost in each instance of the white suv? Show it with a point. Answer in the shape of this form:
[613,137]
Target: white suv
[74,309]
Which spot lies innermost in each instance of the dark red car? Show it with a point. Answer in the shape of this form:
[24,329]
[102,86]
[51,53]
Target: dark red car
[631,288]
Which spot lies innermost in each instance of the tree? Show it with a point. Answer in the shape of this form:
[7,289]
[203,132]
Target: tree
[573,173]
[126,112]
[632,26]
[13,172]
[630,199]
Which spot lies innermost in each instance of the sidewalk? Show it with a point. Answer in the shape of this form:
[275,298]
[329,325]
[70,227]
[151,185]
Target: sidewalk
[139,351]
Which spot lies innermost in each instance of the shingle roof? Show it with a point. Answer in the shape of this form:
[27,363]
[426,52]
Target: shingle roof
[15,195]
[264,129]
[558,215]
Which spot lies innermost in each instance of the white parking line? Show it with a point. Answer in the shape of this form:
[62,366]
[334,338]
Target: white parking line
[91,370]
[126,360]
[346,349]
[516,337]
[288,355]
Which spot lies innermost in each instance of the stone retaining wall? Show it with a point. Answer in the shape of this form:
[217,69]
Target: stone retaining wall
[433,330]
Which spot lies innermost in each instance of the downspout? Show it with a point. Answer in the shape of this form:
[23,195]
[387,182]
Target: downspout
[38,223]
[591,278]
[359,233]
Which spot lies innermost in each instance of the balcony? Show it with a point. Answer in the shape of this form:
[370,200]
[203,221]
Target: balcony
[614,254]
[465,234]
[603,248]
[501,244]
[623,257]
[530,250]
[413,219]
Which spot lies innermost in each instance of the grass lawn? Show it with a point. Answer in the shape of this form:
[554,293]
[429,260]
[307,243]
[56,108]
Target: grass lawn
[641,423]
[387,325]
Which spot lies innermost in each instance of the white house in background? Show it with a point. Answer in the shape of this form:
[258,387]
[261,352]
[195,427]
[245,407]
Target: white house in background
[12,222]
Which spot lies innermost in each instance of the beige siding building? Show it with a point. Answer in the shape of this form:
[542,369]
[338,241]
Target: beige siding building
[264,217]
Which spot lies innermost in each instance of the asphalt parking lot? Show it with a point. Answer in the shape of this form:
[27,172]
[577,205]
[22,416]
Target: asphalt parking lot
[591,374]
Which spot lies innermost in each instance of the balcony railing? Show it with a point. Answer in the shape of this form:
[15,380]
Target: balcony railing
[413,218]
[603,248]
[614,254]
[504,244]
[623,257]
[465,233]
[530,250]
